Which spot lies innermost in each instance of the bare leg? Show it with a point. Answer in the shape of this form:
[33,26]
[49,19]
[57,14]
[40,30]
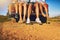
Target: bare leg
[25,9]
[20,12]
[37,10]
[37,13]
[41,9]
[29,13]
[16,7]
[46,10]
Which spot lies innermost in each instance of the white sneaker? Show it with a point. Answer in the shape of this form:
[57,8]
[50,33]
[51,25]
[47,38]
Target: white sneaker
[38,20]
[28,21]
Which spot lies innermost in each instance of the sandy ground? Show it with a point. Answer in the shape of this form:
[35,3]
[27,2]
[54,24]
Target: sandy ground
[17,31]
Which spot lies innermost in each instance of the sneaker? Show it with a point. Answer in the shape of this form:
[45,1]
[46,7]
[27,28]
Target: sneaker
[38,20]
[28,21]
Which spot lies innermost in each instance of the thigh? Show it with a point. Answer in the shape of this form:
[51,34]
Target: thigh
[20,3]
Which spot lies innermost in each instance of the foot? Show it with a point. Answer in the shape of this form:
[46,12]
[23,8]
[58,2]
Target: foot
[44,14]
[28,21]
[38,20]
[20,21]
[24,20]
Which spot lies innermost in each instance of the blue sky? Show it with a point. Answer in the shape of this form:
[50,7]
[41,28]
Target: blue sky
[54,7]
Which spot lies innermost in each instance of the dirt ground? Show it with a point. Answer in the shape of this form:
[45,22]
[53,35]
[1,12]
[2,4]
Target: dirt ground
[17,31]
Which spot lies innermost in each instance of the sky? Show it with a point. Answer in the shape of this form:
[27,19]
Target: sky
[54,7]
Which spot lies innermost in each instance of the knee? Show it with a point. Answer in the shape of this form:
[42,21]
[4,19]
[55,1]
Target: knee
[36,4]
[40,4]
[46,5]
[30,5]
[20,4]
[25,4]
[16,4]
